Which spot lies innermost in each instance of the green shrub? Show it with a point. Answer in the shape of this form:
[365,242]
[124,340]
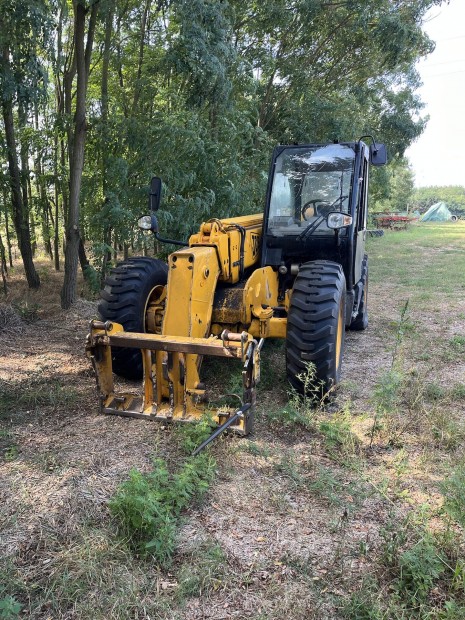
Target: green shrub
[434,392]
[291,415]
[338,434]
[458,392]
[452,611]
[420,567]
[457,343]
[144,512]
[28,311]
[190,436]
[9,608]
[147,506]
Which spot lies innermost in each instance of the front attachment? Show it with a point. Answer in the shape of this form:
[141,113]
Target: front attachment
[172,390]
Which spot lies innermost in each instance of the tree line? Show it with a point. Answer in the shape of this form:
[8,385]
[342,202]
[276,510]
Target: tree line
[99,95]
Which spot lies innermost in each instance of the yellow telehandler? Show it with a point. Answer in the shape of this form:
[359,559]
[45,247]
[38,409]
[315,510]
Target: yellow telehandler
[298,271]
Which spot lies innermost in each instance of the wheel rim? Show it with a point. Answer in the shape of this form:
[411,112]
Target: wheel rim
[154,304]
[339,334]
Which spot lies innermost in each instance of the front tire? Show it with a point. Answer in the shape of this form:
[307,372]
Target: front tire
[124,300]
[316,325]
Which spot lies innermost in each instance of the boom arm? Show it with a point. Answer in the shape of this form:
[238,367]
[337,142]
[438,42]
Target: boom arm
[221,250]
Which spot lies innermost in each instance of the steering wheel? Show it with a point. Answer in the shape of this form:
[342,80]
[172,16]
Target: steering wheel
[324,206]
[313,203]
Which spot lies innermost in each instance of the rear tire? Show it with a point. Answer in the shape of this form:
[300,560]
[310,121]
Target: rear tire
[316,325]
[124,300]
[361,320]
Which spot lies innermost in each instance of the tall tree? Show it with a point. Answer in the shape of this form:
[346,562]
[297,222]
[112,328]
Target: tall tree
[82,52]
[22,31]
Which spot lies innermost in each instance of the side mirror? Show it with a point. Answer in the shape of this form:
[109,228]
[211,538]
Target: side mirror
[155,194]
[378,154]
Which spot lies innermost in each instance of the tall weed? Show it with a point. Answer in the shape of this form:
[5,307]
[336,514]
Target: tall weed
[453,489]
[147,506]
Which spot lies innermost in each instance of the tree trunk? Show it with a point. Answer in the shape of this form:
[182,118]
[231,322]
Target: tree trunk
[56,229]
[7,228]
[3,267]
[115,248]
[33,232]
[20,215]
[41,190]
[105,135]
[69,290]
[83,260]
[143,29]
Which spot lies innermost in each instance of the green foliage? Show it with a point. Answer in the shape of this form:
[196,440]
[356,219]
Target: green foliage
[452,611]
[191,435]
[27,310]
[11,453]
[144,510]
[453,195]
[388,391]
[395,187]
[416,566]
[291,415]
[453,489]
[202,573]
[148,505]
[362,605]
[330,487]
[458,392]
[337,432]
[9,608]
[288,467]
[25,28]
[419,569]
[255,449]
[434,392]
[457,343]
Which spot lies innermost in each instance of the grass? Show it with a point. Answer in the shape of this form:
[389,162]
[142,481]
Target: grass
[34,392]
[353,508]
[94,578]
[394,258]
[203,572]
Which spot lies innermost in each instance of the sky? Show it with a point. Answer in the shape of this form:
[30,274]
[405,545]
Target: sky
[437,157]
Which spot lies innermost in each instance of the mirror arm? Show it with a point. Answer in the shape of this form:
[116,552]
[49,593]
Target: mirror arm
[368,135]
[154,204]
[172,241]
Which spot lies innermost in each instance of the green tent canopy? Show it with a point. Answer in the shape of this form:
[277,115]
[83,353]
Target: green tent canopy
[437,213]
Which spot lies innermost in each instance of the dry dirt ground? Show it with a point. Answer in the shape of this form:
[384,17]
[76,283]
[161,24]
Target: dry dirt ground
[297,521]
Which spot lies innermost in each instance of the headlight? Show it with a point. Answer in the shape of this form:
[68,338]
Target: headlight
[338,220]
[145,222]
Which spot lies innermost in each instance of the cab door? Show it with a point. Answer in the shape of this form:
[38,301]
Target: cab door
[361,225]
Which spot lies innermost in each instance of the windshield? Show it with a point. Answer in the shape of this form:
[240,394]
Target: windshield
[308,183]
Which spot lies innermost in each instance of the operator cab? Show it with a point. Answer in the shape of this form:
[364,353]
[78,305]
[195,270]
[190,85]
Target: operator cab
[316,208]
[309,183]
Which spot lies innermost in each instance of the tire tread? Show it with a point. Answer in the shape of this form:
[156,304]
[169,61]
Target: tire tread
[318,291]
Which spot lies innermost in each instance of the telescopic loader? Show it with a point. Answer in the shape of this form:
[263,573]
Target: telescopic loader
[298,271]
